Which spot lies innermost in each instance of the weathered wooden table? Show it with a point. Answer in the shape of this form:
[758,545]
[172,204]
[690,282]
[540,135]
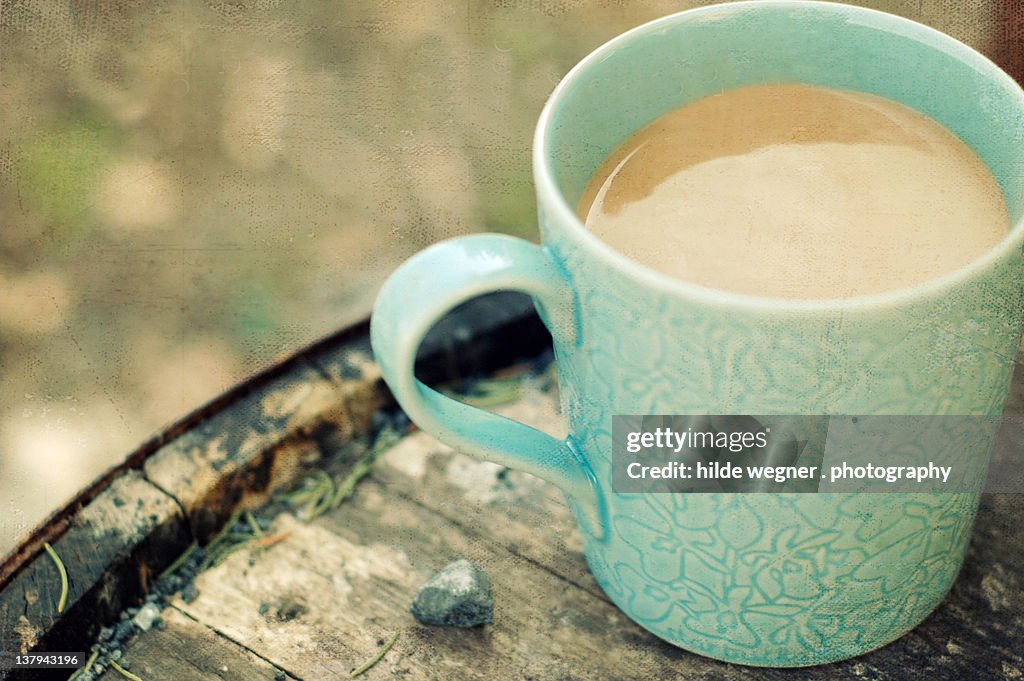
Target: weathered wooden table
[312,583]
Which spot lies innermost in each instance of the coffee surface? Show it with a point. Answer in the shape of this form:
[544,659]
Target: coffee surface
[796,191]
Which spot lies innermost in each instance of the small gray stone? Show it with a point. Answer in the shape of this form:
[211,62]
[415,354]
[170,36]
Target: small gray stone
[122,631]
[147,615]
[190,593]
[459,596]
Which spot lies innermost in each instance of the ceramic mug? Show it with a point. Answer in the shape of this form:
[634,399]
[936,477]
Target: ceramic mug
[759,579]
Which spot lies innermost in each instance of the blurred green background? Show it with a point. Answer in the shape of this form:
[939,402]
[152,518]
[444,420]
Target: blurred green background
[190,190]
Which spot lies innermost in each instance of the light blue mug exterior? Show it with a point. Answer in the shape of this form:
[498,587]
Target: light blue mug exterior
[759,579]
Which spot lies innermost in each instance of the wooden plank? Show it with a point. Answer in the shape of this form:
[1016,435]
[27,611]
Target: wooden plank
[295,605]
[320,601]
[186,649]
[239,456]
[112,550]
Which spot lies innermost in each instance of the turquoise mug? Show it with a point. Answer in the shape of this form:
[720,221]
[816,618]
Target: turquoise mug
[760,579]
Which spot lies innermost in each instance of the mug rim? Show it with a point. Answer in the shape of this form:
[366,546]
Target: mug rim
[550,197]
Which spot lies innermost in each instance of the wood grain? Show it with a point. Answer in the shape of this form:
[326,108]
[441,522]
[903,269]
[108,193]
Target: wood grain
[187,649]
[111,550]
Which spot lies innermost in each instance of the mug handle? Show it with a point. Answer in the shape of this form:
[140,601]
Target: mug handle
[433,282]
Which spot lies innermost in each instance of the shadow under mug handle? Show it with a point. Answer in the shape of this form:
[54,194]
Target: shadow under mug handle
[433,282]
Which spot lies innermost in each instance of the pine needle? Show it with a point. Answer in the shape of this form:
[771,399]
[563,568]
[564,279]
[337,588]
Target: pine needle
[88,665]
[124,672]
[369,664]
[256,529]
[63,577]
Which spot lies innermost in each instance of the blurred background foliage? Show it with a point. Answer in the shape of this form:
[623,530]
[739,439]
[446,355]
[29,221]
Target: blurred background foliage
[190,190]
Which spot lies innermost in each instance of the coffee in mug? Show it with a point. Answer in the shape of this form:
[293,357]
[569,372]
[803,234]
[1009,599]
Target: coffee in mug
[796,191]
